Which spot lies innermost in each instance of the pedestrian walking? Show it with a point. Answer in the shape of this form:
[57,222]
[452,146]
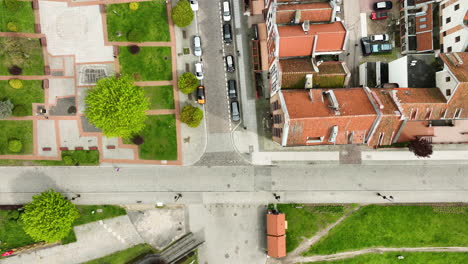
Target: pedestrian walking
[378,194]
[117,169]
[384,197]
[391,197]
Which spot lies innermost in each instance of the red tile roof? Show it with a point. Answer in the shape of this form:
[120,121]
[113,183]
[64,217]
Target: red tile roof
[424,41]
[276,224]
[314,12]
[424,35]
[294,42]
[459,70]
[421,103]
[276,246]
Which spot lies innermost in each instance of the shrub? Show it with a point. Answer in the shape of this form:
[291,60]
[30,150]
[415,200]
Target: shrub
[11,26]
[135,35]
[15,70]
[192,116]
[15,83]
[138,140]
[133,6]
[187,83]
[133,49]
[13,215]
[12,4]
[420,147]
[71,109]
[6,109]
[20,110]
[182,14]
[68,160]
[15,145]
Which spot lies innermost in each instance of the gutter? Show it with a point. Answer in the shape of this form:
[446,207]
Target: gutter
[377,111]
[284,138]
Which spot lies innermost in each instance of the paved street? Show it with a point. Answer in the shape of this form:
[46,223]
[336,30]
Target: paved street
[240,184]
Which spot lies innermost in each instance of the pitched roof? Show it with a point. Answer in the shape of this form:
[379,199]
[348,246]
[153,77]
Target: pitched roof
[294,42]
[314,12]
[459,70]
[294,71]
[386,130]
[424,30]
[424,41]
[276,246]
[421,103]
[276,224]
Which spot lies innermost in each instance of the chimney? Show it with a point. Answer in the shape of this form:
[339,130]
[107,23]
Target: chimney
[309,82]
[297,17]
[306,26]
[459,60]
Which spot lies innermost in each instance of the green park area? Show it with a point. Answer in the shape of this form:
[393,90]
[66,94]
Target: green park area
[21,56]
[148,64]
[20,132]
[160,97]
[408,257]
[22,98]
[16,16]
[160,138]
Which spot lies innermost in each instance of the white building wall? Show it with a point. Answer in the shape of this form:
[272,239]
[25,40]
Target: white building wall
[446,82]
[456,19]
[398,71]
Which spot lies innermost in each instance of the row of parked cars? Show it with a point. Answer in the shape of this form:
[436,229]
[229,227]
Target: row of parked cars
[378,43]
[380,10]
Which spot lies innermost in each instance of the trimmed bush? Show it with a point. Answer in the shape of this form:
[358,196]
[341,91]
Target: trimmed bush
[11,26]
[133,49]
[12,4]
[138,140]
[15,145]
[15,83]
[133,6]
[135,35]
[15,70]
[187,83]
[68,160]
[182,14]
[20,110]
[191,115]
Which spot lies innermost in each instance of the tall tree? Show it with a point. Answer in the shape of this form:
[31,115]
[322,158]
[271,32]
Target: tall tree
[187,83]
[49,217]
[182,14]
[420,147]
[117,106]
[191,115]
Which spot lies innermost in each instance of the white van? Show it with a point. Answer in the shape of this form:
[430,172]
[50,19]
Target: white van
[199,71]
[226,11]
[197,50]
[380,37]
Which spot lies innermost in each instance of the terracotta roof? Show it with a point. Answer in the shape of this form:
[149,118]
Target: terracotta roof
[331,67]
[276,224]
[296,65]
[419,95]
[459,100]
[352,102]
[424,41]
[460,71]
[385,99]
[294,42]
[386,130]
[276,246]
[257,6]
[314,12]
[413,129]
[262,37]
[427,21]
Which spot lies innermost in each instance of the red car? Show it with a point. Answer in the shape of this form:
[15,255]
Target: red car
[379,15]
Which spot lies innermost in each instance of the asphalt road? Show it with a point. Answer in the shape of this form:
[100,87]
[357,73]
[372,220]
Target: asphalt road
[240,184]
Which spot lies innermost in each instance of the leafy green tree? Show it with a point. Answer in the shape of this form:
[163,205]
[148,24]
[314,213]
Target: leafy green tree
[117,106]
[187,83]
[182,14]
[15,145]
[6,109]
[49,217]
[191,115]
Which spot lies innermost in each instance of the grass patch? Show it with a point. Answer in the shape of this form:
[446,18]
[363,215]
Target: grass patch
[397,226]
[160,137]
[80,157]
[22,130]
[23,17]
[150,19]
[150,64]
[125,256]
[161,97]
[23,52]
[328,81]
[410,257]
[308,220]
[12,234]
[31,92]
[87,216]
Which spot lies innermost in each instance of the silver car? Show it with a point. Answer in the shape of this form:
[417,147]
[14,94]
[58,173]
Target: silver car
[235,114]
[197,50]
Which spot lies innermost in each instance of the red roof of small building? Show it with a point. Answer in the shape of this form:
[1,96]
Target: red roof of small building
[424,30]
[424,41]
[294,42]
[314,12]
[276,246]
[459,70]
[276,224]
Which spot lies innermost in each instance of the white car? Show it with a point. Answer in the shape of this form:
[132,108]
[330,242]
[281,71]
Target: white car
[199,70]
[226,11]
[194,5]
[379,37]
[197,50]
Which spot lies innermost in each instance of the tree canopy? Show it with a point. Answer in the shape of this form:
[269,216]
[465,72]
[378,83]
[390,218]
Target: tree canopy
[191,115]
[117,107]
[49,217]
[182,14]
[187,83]
[420,147]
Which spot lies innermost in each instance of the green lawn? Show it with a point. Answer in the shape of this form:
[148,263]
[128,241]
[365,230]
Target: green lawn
[160,138]
[125,256]
[161,97]
[23,52]
[308,220]
[150,64]
[12,234]
[87,216]
[31,92]
[79,157]
[22,130]
[23,17]
[397,226]
[410,258]
[328,81]
[150,19]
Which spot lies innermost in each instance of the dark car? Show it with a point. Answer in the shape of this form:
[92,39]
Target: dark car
[235,114]
[227,33]
[383,5]
[365,46]
[381,47]
[232,91]
[201,94]
[379,15]
[230,63]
